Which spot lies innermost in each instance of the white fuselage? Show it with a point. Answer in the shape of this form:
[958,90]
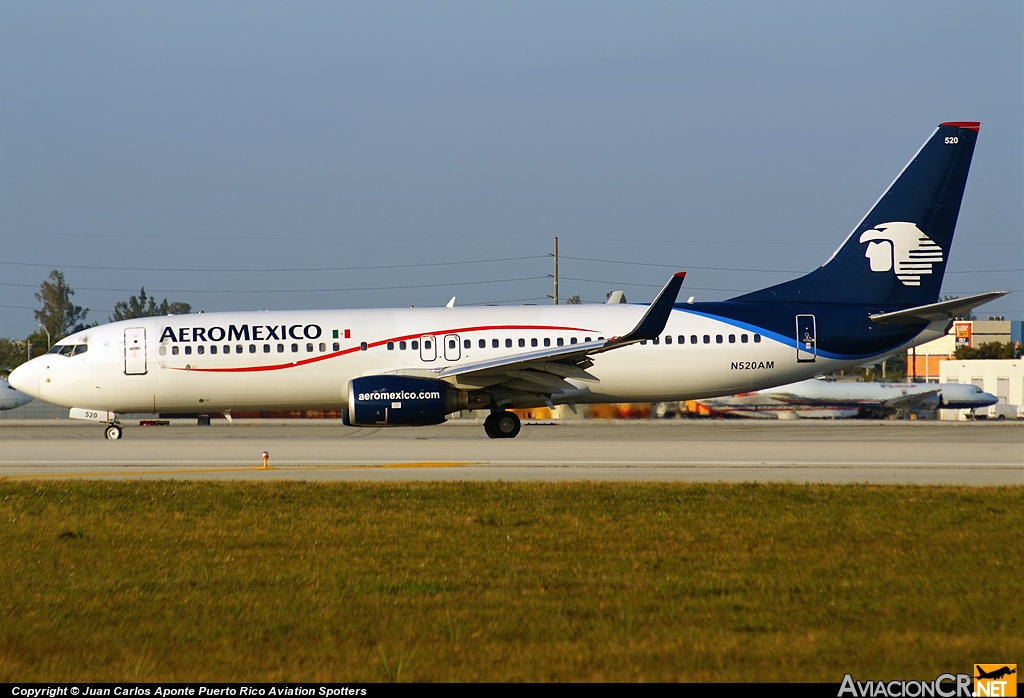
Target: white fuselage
[281,360]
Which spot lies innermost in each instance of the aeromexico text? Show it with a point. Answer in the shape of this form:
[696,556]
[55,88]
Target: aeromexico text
[255,333]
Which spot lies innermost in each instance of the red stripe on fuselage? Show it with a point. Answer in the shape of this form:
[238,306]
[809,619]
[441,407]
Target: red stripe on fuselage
[350,350]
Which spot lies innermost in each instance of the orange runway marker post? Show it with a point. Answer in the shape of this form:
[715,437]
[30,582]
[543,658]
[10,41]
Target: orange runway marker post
[266,457]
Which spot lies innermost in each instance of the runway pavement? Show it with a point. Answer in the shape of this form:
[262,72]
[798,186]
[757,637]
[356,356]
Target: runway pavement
[684,450]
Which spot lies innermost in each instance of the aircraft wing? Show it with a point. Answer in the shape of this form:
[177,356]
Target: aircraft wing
[911,400]
[945,310]
[544,372]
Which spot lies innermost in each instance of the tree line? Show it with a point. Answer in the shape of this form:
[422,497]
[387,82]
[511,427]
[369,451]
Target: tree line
[58,316]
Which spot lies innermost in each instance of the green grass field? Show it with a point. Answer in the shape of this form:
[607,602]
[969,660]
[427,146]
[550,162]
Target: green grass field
[162,581]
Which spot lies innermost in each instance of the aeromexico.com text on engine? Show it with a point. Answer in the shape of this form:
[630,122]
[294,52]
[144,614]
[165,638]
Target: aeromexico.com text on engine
[401,395]
[255,333]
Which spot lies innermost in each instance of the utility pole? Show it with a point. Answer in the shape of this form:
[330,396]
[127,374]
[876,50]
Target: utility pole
[556,271]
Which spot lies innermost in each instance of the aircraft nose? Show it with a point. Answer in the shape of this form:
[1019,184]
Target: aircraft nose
[25,378]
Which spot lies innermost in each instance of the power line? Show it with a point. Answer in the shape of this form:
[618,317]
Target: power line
[441,264]
[262,271]
[298,290]
[767,271]
[630,283]
[680,266]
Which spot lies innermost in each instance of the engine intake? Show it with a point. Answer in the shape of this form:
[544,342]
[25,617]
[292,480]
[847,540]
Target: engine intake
[377,401]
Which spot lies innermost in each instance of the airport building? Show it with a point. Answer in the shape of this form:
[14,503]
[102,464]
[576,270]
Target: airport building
[924,361]
[1003,378]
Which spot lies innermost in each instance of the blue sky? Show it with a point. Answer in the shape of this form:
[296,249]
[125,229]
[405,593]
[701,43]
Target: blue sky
[242,155]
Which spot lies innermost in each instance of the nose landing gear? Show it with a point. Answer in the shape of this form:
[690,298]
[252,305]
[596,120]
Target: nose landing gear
[113,431]
[502,425]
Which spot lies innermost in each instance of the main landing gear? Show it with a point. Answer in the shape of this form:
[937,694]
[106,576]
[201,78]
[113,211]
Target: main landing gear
[113,431]
[502,425]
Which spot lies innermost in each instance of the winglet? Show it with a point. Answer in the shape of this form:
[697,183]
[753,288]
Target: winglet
[654,320]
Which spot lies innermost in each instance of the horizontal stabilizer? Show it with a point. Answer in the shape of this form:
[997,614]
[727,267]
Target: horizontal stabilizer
[945,310]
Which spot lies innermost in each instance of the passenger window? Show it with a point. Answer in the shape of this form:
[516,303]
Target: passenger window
[362,346]
[415,344]
[426,344]
[643,343]
[718,338]
[732,339]
[533,342]
[508,343]
[238,348]
[174,350]
[323,347]
[280,348]
[466,344]
[227,349]
[266,348]
[451,343]
[337,347]
[654,341]
[586,339]
[757,339]
[295,348]
[188,350]
[494,344]
[522,342]
[572,340]
[391,346]
[693,338]
[668,339]
[200,349]
[402,346]
[707,339]
[744,338]
[547,341]
[560,342]
[163,351]
[482,343]
[681,339]
[213,349]
[252,348]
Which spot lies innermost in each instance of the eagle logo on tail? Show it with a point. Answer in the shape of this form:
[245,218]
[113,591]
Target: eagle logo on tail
[903,247]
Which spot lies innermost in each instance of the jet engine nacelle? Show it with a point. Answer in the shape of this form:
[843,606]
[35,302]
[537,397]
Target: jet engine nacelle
[406,401]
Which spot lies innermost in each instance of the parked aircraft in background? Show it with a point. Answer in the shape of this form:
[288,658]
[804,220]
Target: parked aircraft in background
[824,399]
[876,295]
[11,398]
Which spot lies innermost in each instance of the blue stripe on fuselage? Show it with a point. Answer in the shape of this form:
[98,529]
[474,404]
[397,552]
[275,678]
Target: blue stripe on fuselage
[859,339]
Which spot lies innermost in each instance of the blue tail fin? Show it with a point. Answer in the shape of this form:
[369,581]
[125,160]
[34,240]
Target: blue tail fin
[897,255]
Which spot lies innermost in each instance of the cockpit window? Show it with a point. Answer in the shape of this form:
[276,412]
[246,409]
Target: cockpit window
[68,349]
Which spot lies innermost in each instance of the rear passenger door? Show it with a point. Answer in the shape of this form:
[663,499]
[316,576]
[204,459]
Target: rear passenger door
[806,344]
